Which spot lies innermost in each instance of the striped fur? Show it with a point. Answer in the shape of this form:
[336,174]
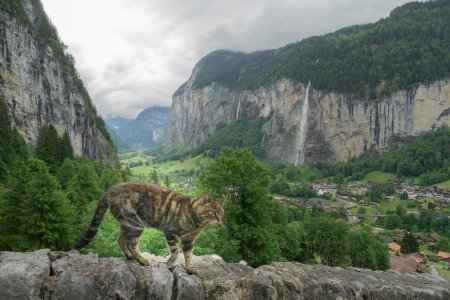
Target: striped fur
[139,205]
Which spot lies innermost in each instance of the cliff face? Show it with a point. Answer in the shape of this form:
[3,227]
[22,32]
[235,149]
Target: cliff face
[39,91]
[337,128]
[57,275]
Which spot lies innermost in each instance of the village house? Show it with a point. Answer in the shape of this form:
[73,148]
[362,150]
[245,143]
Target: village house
[414,262]
[331,207]
[373,204]
[435,237]
[315,202]
[444,256]
[389,239]
[422,237]
[322,187]
[394,247]
[399,233]
[428,239]
[390,198]
[363,203]
[356,189]
[421,201]
[356,222]
[412,196]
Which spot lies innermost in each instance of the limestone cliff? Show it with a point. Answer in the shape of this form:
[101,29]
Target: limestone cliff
[41,86]
[338,126]
[58,275]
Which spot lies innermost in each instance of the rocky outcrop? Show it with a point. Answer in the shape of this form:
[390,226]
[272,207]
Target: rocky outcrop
[40,90]
[58,275]
[339,127]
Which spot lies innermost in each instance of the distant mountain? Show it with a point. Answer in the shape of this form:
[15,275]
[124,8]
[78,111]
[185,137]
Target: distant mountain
[148,129]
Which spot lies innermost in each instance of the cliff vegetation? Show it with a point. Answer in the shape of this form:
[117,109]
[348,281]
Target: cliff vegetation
[368,61]
[426,158]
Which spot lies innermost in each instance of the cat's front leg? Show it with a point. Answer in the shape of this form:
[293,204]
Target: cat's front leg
[172,241]
[187,251]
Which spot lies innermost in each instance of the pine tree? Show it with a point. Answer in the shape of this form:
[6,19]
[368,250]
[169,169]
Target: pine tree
[126,173]
[109,178]
[409,243]
[83,187]
[47,146]
[294,244]
[6,138]
[167,181]
[65,149]
[11,201]
[154,177]
[47,218]
[12,145]
[3,171]
[51,148]
[66,172]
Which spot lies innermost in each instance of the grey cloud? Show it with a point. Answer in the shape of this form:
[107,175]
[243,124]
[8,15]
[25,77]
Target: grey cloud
[171,36]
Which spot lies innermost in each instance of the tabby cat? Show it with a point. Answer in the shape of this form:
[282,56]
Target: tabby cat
[139,205]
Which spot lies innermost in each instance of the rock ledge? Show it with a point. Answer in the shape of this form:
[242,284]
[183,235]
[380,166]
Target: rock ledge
[45,274]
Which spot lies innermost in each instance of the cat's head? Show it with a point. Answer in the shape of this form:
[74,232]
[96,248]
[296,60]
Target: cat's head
[210,212]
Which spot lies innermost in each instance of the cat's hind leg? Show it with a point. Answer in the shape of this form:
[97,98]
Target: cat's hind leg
[172,241]
[132,236]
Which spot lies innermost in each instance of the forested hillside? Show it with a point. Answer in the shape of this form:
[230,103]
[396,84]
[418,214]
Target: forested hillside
[43,194]
[426,157]
[408,47]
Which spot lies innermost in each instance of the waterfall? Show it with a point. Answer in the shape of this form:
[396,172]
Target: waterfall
[302,128]
[238,108]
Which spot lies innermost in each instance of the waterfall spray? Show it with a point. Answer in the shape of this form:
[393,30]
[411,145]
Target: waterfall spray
[302,128]
[238,108]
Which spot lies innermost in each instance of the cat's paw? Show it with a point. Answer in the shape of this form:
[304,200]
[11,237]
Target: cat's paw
[192,271]
[144,262]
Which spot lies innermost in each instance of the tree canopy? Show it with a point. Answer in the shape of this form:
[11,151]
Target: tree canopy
[250,222]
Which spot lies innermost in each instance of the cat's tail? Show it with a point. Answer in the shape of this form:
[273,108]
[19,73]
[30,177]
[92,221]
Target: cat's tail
[95,223]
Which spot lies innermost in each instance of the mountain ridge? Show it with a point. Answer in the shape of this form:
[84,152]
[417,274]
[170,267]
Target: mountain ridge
[148,129]
[413,32]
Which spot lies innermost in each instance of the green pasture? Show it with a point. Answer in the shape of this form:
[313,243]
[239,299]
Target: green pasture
[379,177]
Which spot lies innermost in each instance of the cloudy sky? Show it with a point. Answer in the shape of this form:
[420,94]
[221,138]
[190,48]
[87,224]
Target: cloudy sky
[134,54]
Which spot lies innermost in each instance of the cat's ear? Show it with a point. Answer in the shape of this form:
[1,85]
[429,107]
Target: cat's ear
[207,196]
[222,200]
